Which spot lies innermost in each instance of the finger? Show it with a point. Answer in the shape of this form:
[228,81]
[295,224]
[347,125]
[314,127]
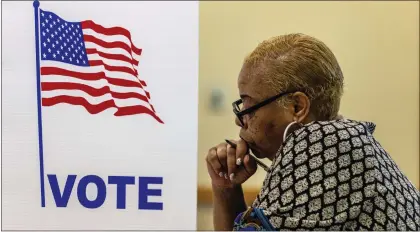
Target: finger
[222,156]
[231,162]
[250,165]
[241,151]
[214,162]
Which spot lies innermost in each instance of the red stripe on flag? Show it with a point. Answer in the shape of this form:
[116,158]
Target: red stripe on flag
[50,86]
[105,44]
[113,68]
[89,24]
[117,69]
[112,56]
[95,109]
[130,110]
[90,77]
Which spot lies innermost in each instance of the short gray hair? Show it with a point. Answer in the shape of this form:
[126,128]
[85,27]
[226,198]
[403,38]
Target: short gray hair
[298,62]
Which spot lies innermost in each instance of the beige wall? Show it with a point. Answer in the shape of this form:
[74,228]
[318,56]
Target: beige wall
[376,43]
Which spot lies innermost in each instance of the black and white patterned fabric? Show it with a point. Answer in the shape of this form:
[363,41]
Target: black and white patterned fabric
[335,176]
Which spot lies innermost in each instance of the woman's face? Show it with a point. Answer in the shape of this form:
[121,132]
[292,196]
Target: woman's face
[263,129]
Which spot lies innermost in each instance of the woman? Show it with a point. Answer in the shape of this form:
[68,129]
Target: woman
[327,173]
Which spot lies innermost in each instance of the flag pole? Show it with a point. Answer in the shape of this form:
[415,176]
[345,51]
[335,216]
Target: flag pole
[38,85]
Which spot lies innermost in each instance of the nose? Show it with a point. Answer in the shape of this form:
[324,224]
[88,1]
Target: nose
[238,122]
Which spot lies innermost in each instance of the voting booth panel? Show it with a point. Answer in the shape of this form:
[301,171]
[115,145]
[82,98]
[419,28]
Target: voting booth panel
[99,115]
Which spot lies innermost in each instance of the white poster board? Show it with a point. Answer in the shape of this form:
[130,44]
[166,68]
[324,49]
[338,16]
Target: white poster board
[118,115]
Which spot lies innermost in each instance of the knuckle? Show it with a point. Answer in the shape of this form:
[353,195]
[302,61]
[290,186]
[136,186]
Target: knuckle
[211,158]
[211,153]
[221,149]
[221,145]
[211,150]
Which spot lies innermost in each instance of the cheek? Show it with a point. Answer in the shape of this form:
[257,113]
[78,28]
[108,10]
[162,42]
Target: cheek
[267,132]
[262,130]
[255,129]
[274,133]
[269,129]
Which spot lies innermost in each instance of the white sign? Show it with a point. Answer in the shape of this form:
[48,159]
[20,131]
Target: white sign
[99,115]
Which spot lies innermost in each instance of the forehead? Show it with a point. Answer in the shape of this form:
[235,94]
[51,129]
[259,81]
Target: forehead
[250,82]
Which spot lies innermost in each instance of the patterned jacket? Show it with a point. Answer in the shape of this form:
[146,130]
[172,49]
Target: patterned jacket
[333,175]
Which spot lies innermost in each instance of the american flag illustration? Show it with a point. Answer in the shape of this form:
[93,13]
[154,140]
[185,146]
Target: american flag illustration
[91,66]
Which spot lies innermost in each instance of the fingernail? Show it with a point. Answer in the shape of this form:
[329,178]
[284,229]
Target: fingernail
[226,177]
[232,175]
[221,174]
[238,161]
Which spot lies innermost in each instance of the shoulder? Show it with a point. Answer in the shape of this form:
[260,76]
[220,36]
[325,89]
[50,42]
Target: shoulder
[334,153]
[345,129]
[337,151]
[328,138]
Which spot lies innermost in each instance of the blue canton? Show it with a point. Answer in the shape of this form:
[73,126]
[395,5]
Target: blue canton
[61,40]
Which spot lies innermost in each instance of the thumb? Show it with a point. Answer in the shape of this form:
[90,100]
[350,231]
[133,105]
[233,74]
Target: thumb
[250,165]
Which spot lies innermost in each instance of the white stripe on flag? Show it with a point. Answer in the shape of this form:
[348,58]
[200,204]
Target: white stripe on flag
[90,69]
[111,61]
[95,100]
[97,84]
[108,38]
[117,51]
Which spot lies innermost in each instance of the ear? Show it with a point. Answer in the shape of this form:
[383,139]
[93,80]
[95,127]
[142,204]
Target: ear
[301,106]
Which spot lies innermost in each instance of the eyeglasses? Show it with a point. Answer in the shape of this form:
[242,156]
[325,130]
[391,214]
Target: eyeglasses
[237,105]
